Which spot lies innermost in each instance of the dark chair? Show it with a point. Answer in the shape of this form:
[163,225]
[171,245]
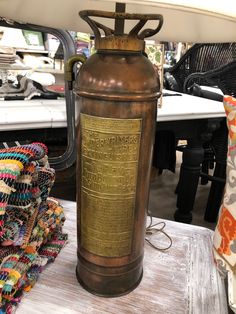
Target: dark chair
[199,58]
[224,78]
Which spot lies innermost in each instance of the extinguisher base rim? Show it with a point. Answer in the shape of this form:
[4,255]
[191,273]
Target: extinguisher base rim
[112,293]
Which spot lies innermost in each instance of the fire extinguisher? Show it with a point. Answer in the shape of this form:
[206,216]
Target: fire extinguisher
[116,96]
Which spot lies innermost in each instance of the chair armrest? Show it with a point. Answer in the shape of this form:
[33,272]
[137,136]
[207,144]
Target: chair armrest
[191,79]
[197,90]
[170,82]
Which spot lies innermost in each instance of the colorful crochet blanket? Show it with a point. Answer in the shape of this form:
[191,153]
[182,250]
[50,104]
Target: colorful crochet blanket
[30,222]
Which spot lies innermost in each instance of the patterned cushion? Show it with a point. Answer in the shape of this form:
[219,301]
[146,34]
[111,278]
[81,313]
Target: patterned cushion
[225,233]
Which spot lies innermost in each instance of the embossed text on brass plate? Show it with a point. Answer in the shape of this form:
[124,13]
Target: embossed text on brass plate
[110,153]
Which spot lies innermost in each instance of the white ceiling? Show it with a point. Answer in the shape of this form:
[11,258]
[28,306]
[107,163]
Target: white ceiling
[185,20]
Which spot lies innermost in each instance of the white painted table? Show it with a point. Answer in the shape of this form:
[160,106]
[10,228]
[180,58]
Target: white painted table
[179,281]
[187,107]
[184,113]
[42,113]
[32,114]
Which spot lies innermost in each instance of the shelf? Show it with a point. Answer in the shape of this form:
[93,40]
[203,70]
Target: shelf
[48,70]
[13,67]
[31,50]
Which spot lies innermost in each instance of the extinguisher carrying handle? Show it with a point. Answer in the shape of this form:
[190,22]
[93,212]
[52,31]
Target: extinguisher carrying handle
[69,73]
[143,18]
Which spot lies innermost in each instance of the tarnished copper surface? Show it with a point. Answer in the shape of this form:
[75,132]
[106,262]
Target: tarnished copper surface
[117,93]
[118,77]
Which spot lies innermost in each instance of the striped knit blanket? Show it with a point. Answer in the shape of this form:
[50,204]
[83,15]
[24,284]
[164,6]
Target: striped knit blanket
[30,222]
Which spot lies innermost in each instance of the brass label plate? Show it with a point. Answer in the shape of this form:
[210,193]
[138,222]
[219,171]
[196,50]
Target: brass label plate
[110,154]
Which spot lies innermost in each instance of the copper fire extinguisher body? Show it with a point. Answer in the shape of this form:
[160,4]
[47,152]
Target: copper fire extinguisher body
[116,93]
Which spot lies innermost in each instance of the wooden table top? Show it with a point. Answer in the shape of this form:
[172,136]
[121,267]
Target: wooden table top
[180,280]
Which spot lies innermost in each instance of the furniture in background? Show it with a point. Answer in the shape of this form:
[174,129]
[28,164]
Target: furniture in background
[199,58]
[195,120]
[188,117]
[204,58]
[224,77]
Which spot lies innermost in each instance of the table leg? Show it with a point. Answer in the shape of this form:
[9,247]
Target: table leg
[216,193]
[220,145]
[193,156]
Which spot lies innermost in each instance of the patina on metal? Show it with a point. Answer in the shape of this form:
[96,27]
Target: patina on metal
[117,90]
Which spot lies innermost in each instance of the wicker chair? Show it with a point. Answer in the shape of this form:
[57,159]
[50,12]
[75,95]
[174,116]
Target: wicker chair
[199,58]
[224,78]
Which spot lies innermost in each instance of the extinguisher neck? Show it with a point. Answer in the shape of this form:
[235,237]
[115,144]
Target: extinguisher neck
[120,43]
[119,52]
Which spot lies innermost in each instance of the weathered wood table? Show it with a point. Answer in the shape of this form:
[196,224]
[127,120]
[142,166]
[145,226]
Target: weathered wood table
[180,280]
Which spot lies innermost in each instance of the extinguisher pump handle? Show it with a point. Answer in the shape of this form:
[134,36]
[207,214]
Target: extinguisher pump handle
[142,20]
[69,73]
